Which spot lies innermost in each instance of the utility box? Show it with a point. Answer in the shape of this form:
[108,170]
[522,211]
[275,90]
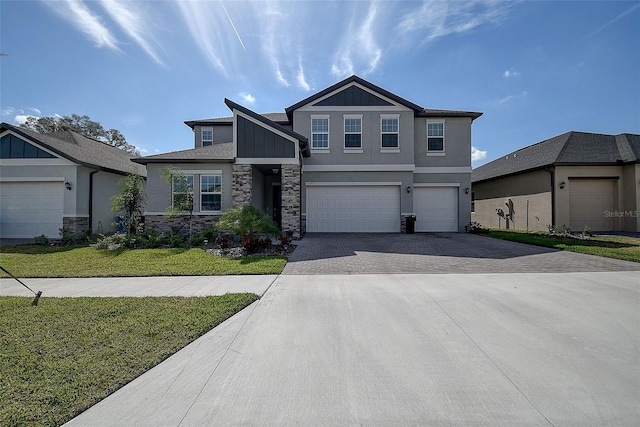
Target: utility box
[410,221]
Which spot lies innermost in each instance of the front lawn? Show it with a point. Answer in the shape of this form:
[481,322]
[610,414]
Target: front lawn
[48,261]
[619,247]
[66,354]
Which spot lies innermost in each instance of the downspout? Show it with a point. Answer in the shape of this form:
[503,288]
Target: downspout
[553,194]
[91,199]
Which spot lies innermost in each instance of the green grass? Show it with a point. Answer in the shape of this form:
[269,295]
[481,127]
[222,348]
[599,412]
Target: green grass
[66,354]
[619,247]
[46,261]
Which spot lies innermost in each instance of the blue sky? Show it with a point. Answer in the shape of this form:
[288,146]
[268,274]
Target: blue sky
[536,69]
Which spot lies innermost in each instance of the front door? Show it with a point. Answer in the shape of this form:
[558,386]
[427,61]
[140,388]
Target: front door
[277,205]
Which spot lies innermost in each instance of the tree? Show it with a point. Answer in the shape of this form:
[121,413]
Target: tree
[181,187]
[130,201]
[82,125]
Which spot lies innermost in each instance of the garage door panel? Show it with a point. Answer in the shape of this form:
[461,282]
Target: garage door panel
[29,209]
[588,201]
[353,209]
[436,209]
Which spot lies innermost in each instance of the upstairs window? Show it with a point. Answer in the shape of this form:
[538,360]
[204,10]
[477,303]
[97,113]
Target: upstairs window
[182,191]
[207,137]
[320,132]
[210,193]
[435,137]
[352,132]
[389,128]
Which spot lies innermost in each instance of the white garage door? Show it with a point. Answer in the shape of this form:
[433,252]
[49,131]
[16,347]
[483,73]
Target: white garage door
[588,201]
[29,209]
[358,208]
[436,208]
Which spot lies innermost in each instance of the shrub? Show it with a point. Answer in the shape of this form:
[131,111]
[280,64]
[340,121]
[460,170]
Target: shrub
[473,227]
[176,241]
[66,236]
[113,242]
[151,239]
[249,223]
[196,241]
[41,240]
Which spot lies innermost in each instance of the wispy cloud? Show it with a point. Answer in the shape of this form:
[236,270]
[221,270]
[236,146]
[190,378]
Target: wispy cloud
[437,18]
[248,98]
[7,111]
[235,30]
[135,23]
[273,38]
[359,45]
[477,155]
[211,31]
[509,98]
[300,78]
[511,73]
[85,20]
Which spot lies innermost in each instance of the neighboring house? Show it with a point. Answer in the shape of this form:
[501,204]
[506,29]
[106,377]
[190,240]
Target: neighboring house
[55,180]
[576,179]
[351,158]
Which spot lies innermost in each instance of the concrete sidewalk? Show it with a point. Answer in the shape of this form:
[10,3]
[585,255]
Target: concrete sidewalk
[399,349]
[186,286]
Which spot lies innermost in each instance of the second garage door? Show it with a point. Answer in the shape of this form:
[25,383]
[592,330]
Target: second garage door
[357,208]
[436,209]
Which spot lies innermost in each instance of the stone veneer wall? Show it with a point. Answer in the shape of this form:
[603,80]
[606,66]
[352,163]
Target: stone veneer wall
[77,225]
[242,182]
[163,224]
[291,199]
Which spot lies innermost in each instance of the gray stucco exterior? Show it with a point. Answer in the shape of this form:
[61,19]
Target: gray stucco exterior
[274,163]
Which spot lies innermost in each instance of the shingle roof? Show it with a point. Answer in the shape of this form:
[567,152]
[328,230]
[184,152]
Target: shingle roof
[279,118]
[571,148]
[217,152]
[82,150]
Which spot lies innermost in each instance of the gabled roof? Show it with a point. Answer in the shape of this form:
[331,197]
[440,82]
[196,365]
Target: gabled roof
[279,118]
[418,110]
[222,153]
[571,148]
[81,150]
[303,142]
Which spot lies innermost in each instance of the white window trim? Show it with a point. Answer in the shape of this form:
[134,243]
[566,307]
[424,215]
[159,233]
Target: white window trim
[390,149]
[442,152]
[202,130]
[321,149]
[193,179]
[210,192]
[345,133]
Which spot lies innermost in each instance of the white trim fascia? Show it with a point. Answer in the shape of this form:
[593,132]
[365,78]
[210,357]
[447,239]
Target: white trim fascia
[389,150]
[353,151]
[200,172]
[267,161]
[76,216]
[34,179]
[320,151]
[436,154]
[352,184]
[360,168]
[443,169]
[58,161]
[436,184]
[354,109]
[235,134]
[394,105]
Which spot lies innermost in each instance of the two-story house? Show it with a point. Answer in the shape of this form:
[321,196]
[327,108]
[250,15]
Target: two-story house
[350,158]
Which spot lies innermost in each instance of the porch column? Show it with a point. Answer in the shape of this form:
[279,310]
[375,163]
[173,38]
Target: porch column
[291,199]
[242,183]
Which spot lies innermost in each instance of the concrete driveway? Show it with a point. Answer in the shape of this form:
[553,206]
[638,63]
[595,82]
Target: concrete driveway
[367,253]
[543,349]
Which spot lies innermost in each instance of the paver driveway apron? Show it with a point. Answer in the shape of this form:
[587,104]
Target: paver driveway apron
[354,253]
